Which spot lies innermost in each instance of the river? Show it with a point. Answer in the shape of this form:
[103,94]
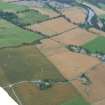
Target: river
[89,13]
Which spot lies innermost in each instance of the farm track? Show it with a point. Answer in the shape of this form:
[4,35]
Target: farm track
[17,98]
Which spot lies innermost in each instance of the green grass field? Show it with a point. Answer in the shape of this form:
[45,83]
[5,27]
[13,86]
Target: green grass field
[11,7]
[101,5]
[11,35]
[24,14]
[26,63]
[31,17]
[78,100]
[96,45]
[102,16]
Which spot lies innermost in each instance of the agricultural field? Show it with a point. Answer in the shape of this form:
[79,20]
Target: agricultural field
[54,26]
[11,7]
[77,101]
[46,11]
[59,94]
[77,36]
[27,61]
[70,65]
[31,17]
[75,14]
[94,92]
[11,35]
[96,45]
[43,9]
[36,66]
[49,47]
[97,32]
[21,14]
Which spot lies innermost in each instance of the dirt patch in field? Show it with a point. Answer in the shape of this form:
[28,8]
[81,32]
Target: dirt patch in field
[53,26]
[96,91]
[76,37]
[31,95]
[75,14]
[69,64]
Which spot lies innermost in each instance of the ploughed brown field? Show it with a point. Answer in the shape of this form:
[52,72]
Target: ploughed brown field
[29,94]
[68,63]
[54,26]
[75,14]
[96,90]
[76,36]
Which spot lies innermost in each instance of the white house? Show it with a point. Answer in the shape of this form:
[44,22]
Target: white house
[5,99]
